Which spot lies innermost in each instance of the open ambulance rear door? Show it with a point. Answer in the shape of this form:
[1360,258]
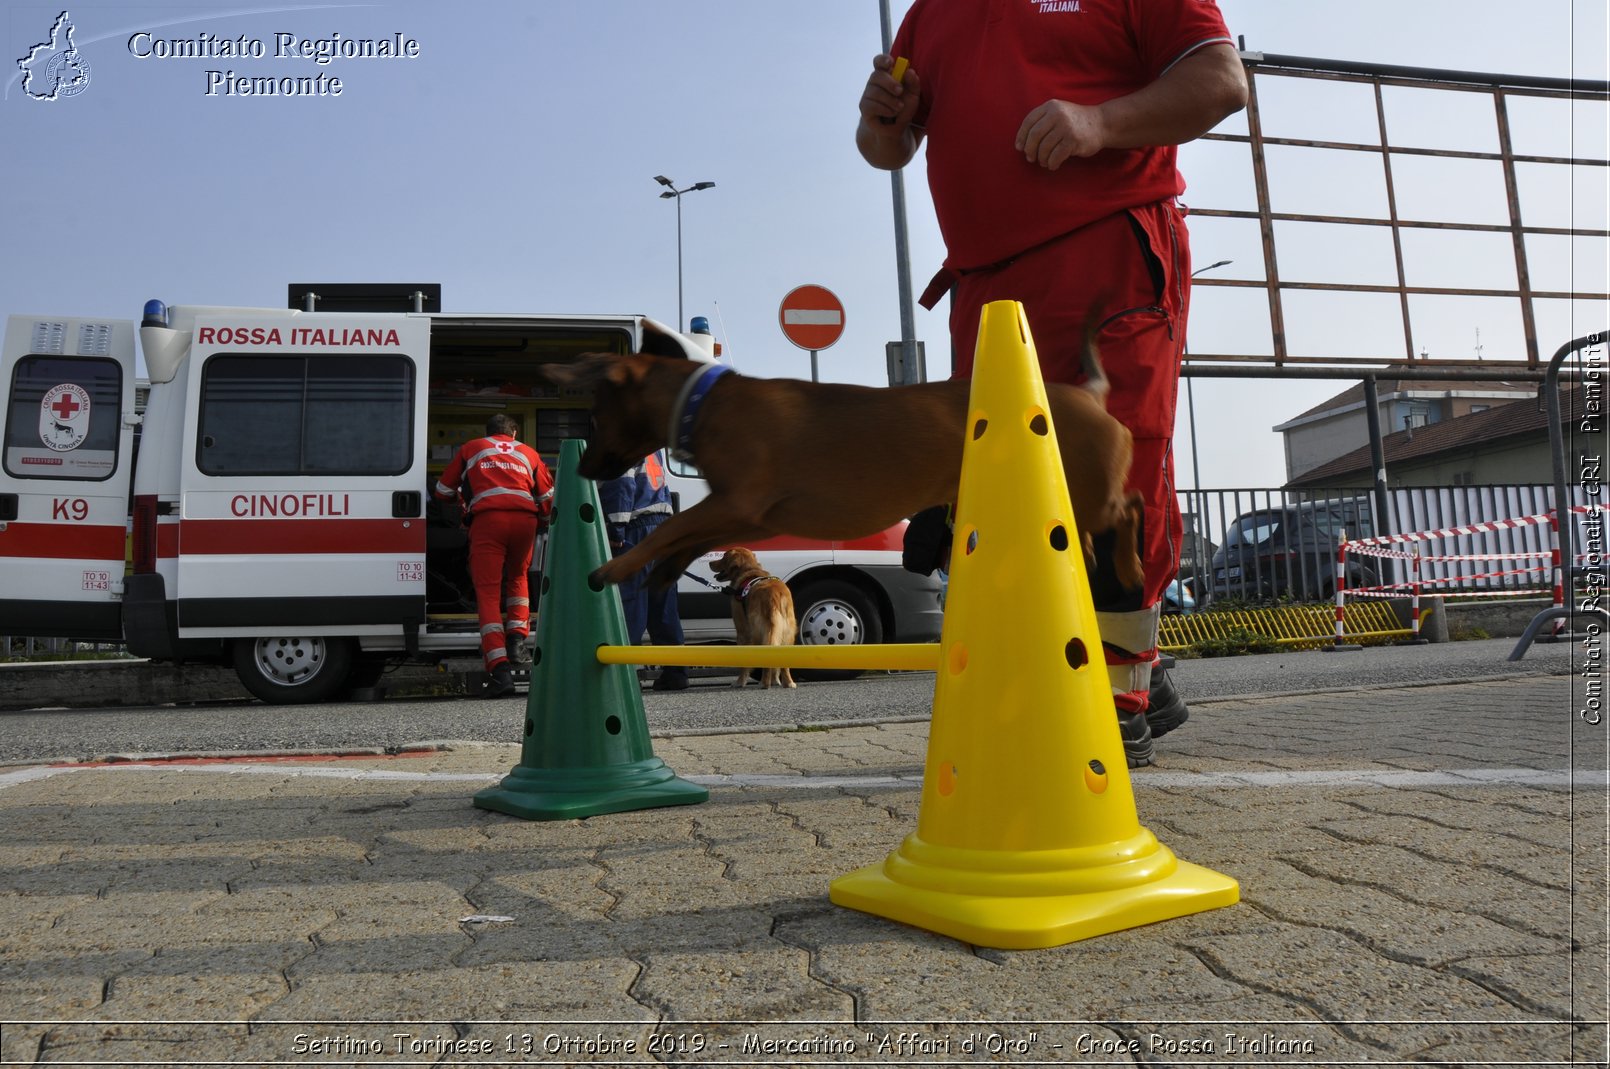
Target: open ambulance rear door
[64,475]
[302,488]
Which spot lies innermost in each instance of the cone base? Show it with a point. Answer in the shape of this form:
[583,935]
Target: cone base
[981,907]
[570,794]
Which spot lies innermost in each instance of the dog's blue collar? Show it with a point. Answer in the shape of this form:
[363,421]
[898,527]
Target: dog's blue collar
[686,409]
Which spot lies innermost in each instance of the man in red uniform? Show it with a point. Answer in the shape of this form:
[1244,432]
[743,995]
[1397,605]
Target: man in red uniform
[507,493]
[1051,128]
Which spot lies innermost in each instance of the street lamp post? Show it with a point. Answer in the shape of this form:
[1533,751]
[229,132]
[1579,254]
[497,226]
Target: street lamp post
[1196,466]
[1190,396]
[673,193]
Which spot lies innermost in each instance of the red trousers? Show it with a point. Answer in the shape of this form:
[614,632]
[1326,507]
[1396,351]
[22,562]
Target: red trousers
[1133,271]
[501,542]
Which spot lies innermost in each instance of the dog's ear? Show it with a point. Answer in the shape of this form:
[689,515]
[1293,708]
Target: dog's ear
[589,369]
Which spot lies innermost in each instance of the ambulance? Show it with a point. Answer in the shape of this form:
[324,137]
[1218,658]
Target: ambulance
[268,504]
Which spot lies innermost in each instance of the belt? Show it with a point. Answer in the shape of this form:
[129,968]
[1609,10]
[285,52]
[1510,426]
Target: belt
[947,277]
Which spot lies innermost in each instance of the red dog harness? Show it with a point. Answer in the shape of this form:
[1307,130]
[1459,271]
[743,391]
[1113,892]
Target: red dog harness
[742,593]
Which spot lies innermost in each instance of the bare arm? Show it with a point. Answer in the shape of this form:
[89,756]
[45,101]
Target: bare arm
[1191,98]
[885,136]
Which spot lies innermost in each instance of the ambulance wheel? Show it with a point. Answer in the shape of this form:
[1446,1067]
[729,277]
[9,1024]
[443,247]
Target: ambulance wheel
[281,671]
[833,612]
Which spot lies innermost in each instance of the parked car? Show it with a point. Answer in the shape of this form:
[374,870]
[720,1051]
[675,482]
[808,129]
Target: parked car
[1291,551]
[1177,598]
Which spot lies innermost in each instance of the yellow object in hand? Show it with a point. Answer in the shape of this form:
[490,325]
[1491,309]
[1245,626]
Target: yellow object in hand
[898,73]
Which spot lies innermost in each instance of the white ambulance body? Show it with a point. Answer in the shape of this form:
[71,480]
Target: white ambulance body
[278,511]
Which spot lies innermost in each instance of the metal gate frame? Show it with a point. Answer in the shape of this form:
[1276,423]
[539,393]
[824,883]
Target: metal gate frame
[1501,88]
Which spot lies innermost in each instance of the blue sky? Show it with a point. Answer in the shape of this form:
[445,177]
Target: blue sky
[512,161]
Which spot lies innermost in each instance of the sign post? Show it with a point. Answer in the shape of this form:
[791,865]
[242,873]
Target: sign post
[812,318]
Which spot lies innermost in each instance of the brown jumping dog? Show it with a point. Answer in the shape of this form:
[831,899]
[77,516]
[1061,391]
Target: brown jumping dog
[822,460]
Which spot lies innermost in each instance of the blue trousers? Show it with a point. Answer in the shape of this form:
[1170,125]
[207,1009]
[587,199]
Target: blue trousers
[652,610]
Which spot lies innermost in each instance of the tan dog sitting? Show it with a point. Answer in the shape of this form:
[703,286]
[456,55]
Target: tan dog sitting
[762,610]
[823,460]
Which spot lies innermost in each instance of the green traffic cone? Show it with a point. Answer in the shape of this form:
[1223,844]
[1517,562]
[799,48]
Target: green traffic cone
[585,749]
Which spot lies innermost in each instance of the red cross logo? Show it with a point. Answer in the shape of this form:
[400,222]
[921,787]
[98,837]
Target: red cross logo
[65,406]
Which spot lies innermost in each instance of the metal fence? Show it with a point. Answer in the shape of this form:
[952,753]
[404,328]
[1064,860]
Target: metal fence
[1257,544]
[1281,544]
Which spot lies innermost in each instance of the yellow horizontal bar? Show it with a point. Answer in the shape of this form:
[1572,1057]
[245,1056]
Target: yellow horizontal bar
[892,656]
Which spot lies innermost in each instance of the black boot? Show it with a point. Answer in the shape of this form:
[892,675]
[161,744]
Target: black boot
[501,682]
[1165,709]
[1137,736]
[672,679]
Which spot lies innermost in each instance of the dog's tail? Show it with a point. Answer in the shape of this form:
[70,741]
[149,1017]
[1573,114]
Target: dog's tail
[1095,382]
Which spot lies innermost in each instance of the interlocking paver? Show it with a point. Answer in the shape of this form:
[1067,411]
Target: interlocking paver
[1382,918]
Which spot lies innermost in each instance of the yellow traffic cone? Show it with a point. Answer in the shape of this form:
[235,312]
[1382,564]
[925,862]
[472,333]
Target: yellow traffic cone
[1027,835]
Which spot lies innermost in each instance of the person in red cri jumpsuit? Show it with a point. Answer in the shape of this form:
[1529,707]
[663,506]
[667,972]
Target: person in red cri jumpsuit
[507,494]
[1051,129]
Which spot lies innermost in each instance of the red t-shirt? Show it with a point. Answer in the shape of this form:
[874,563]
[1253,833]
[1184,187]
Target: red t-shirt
[985,64]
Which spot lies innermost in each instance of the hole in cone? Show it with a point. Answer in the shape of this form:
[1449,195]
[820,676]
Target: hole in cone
[970,541]
[1058,538]
[595,584]
[1096,777]
[587,512]
[530,727]
[536,656]
[979,426]
[612,724]
[957,659]
[1038,423]
[546,583]
[1076,653]
[947,778]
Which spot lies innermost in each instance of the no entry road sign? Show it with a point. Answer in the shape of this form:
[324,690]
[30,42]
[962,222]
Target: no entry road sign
[811,317]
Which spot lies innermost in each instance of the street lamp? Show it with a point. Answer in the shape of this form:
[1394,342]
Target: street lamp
[673,193]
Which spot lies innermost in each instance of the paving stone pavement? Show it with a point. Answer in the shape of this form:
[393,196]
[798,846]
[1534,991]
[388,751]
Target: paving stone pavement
[1423,879]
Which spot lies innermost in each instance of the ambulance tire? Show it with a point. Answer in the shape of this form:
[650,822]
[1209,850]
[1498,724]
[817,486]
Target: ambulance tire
[367,671]
[283,671]
[835,612]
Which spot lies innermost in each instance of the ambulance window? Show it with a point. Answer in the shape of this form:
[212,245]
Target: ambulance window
[64,418]
[684,469]
[297,415]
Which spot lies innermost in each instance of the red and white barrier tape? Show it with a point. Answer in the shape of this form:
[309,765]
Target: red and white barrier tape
[1386,592]
[1406,554]
[1365,590]
[1474,528]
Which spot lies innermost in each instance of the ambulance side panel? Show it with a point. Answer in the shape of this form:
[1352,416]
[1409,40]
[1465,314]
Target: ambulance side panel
[64,475]
[303,477]
[858,585]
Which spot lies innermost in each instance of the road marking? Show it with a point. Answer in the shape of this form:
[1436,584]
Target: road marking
[1548,778]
